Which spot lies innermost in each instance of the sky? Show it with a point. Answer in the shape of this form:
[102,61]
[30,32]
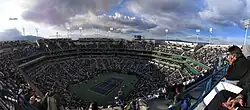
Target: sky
[125,18]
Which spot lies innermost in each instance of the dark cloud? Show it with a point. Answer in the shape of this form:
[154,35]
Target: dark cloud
[159,15]
[152,16]
[57,12]
[172,14]
[83,13]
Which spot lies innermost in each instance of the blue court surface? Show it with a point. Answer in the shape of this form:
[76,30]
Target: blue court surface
[104,88]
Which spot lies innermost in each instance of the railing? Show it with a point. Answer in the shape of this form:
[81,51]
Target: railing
[209,88]
[176,106]
[11,101]
[209,85]
[3,105]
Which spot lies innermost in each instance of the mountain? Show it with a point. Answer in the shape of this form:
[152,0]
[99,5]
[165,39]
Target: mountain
[14,34]
[28,37]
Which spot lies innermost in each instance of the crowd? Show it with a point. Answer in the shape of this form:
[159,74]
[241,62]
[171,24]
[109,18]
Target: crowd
[61,74]
[56,75]
[12,82]
[11,78]
[208,55]
[175,48]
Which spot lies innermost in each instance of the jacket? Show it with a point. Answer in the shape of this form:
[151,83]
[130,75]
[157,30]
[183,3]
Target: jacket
[239,69]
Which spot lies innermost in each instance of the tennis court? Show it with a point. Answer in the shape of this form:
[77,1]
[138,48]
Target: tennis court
[107,86]
[104,87]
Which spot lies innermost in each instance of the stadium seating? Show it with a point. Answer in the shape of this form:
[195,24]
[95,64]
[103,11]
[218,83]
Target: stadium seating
[55,64]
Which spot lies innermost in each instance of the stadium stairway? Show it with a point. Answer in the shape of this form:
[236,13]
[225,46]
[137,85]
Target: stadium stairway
[199,47]
[197,92]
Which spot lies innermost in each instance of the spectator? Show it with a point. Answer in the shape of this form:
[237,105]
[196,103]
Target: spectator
[93,106]
[34,103]
[239,65]
[239,69]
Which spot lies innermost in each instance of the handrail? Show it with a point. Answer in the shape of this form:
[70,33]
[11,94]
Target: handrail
[201,82]
[15,102]
[178,104]
[175,105]
[4,107]
[206,93]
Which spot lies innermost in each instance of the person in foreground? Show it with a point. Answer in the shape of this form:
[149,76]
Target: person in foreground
[239,69]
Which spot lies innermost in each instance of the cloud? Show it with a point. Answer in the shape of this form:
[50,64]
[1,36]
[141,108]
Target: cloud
[225,12]
[179,16]
[57,12]
[94,33]
[146,17]
[174,15]
[120,23]
[171,14]
[83,13]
